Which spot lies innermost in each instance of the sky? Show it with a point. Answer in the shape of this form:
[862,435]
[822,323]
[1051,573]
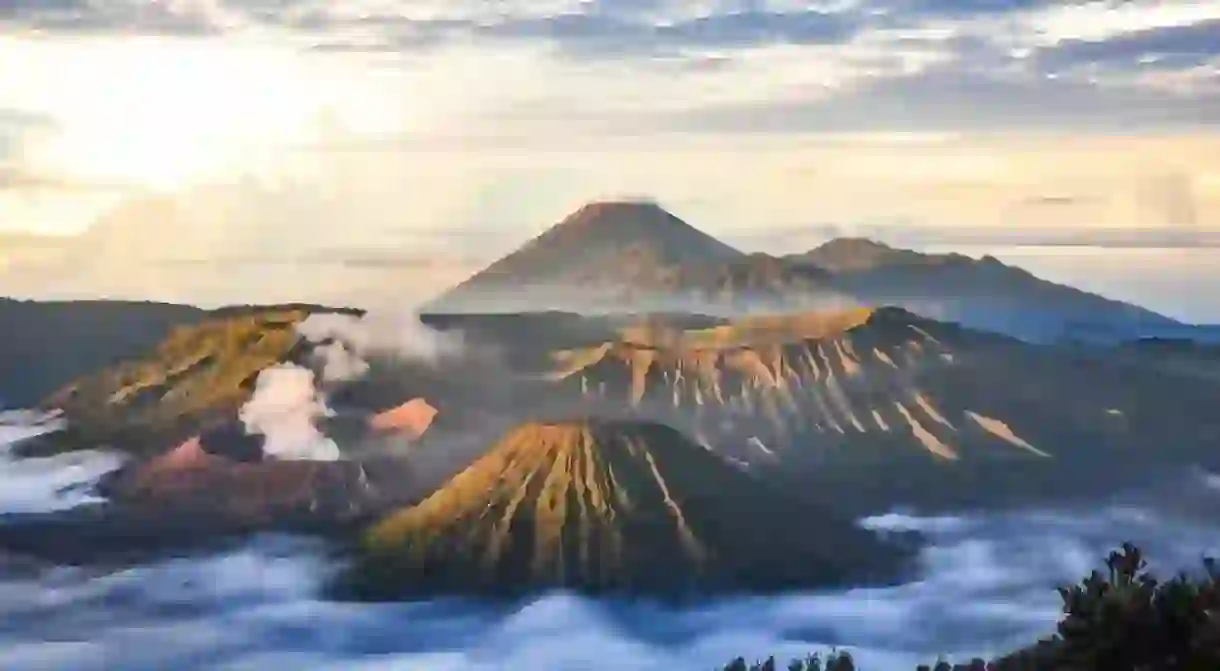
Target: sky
[286,128]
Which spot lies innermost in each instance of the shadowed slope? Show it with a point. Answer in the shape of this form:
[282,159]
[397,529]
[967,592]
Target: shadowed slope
[610,506]
[194,480]
[212,490]
[49,343]
[752,283]
[764,380]
[885,407]
[1182,356]
[981,293]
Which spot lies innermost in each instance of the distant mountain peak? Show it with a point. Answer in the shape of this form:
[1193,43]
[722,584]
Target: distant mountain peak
[981,293]
[639,221]
[596,208]
[855,253]
[851,243]
[604,246]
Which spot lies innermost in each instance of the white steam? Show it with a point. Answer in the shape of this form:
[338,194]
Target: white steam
[340,364]
[285,405]
[287,401]
[355,339]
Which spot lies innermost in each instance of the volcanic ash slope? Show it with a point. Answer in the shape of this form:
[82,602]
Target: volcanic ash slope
[611,506]
[882,407]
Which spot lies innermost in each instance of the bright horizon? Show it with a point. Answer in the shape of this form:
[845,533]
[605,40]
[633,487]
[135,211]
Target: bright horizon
[941,113]
[448,133]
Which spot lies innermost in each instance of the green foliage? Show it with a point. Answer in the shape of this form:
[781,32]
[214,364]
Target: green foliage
[1129,620]
[836,661]
[1125,620]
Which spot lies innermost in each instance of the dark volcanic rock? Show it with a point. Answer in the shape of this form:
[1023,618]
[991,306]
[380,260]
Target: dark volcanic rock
[230,441]
[191,498]
[219,487]
[195,480]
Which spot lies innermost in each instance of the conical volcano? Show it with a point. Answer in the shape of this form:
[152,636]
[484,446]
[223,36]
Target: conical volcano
[603,251]
[612,506]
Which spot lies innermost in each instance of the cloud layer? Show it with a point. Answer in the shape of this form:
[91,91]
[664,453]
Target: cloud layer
[814,63]
[987,586]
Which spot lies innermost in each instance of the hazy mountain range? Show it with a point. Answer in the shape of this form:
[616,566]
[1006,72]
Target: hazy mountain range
[610,256]
[693,399]
[635,256]
[49,343]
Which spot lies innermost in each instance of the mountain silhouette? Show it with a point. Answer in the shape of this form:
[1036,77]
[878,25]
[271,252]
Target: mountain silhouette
[981,293]
[610,506]
[603,251]
[854,254]
[633,256]
[48,343]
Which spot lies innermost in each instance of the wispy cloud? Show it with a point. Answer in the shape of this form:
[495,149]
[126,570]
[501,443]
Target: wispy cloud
[87,17]
[1174,46]
[549,95]
[994,62]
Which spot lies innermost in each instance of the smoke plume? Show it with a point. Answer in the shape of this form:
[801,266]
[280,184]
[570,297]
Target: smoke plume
[340,364]
[354,339]
[287,401]
[283,409]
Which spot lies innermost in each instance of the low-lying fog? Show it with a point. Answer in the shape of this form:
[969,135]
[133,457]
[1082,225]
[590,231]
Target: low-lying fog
[987,587]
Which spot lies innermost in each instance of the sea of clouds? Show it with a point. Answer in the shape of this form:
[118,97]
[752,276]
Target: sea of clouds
[987,586]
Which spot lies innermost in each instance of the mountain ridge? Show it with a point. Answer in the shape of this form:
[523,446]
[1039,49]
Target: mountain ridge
[854,253]
[854,411]
[983,293]
[84,336]
[940,413]
[631,256]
